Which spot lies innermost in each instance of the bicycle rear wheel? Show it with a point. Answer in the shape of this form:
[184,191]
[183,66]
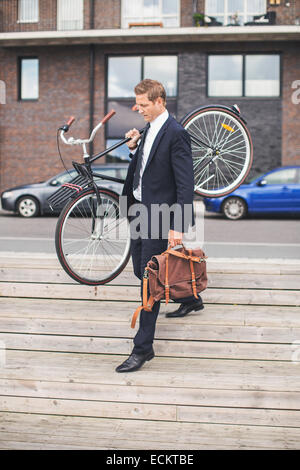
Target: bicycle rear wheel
[222,150]
[92,240]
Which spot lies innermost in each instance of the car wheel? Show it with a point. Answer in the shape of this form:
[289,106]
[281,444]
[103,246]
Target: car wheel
[234,208]
[28,207]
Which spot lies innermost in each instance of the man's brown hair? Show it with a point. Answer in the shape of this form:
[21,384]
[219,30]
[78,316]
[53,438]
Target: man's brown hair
[153,88]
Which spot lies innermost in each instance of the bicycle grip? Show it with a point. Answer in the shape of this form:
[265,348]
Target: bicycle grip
[108,116]
[70,121]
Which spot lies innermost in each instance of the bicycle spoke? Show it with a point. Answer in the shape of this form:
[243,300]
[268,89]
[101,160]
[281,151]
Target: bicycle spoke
[224,167]
[95,241]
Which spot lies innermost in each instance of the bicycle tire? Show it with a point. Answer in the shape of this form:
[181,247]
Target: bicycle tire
[92,245]
[221,161]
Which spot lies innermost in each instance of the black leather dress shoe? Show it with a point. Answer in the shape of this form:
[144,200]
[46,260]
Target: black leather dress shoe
[135,362]
[184,309]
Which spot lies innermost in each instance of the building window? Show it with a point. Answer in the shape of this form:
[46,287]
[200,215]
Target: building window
[123,74]
[69,14]
[28,78]
[235,12]
[244,75]
[166,12]
[28,11]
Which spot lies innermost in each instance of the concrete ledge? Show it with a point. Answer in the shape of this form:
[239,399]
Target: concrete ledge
[153,35]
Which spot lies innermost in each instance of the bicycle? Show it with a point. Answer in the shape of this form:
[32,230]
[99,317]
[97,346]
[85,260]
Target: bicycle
[92,240]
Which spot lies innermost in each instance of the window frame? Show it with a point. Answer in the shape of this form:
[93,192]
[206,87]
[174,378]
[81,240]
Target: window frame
[244,14]
[20,20]
[173,99]
[243,95]
[20,59]
[124,22]
[59,18]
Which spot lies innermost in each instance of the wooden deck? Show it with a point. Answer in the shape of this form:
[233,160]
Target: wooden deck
[227,377]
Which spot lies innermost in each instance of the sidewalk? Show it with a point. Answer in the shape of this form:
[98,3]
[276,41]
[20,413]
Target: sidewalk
[223,378]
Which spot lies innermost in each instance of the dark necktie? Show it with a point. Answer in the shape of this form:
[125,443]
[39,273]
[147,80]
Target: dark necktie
[136,178]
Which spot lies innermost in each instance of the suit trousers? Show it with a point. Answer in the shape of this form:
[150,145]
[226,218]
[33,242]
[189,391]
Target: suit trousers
[142,250]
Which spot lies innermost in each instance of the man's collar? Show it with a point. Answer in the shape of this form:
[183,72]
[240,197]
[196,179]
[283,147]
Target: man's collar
[160,120]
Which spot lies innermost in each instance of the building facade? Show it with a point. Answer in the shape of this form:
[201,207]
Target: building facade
[83,57]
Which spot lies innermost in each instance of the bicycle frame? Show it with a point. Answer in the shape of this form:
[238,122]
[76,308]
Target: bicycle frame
[85,168]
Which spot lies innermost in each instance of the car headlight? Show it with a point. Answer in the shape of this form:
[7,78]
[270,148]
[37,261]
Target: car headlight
[7,194]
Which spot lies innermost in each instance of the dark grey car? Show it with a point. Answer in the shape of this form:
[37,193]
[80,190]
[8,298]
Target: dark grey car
[30,200]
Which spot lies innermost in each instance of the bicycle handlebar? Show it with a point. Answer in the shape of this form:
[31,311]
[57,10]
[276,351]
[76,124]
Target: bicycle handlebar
[108,116]
[72,141]
[70,121]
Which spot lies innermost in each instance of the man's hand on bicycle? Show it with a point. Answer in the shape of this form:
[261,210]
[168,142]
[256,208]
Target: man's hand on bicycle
[134,136]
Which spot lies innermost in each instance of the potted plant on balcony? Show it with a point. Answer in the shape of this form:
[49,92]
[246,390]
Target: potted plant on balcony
[199,19]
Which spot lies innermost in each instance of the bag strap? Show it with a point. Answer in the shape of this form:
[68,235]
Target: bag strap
[147,303]
[167,287]
[193,275]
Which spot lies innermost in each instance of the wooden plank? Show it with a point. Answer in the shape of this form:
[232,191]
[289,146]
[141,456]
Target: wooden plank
[130,434]
[239,416]
[121,410]
[112,292]
[100,409]
[215,280]
[165,330]
[217,265]
[111,345]
[176,372]
[121,311]
[200,396]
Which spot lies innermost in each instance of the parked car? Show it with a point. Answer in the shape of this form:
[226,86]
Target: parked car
[277,191]
[30,200]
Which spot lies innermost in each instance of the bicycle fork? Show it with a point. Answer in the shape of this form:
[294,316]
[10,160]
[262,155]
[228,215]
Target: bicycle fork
[97,216]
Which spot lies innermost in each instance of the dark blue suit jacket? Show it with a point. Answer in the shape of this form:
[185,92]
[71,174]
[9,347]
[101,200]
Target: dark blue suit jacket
[168,177]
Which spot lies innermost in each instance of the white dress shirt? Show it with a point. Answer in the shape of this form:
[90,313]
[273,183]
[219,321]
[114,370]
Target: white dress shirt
[154,129]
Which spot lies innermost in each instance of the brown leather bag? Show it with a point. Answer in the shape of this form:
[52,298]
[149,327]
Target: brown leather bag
[174,274]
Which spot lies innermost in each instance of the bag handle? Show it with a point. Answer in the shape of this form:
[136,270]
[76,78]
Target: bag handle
[196,259]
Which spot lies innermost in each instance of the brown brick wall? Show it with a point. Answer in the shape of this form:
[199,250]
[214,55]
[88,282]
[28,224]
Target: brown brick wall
[107,14]
[28,151]
[186,13]
[285,14]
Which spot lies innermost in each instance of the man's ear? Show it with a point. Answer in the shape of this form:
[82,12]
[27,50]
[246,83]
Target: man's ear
[159,101]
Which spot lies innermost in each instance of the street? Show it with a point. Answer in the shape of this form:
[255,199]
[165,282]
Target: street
[275,237]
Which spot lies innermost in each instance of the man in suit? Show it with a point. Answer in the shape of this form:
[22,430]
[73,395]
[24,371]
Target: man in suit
[160,172]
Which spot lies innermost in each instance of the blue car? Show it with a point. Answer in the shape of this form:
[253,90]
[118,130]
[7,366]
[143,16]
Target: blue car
[277,191]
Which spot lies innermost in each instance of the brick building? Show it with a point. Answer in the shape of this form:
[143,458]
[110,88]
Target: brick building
[82,57]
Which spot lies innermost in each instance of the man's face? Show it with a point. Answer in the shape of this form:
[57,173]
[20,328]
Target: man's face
[149,109]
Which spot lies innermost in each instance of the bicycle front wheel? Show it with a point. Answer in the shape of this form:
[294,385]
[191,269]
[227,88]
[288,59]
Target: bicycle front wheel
[222,150]
[92,240]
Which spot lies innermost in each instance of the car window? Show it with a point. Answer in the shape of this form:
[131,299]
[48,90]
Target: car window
[66,177]
[106,171]
[282,177]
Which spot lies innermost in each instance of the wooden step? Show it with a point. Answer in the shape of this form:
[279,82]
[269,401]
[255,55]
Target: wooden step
[132,293]
[225,377]
[57,432]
